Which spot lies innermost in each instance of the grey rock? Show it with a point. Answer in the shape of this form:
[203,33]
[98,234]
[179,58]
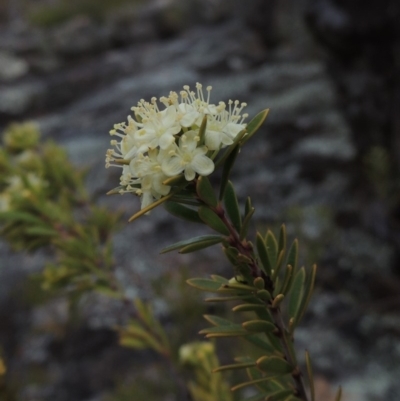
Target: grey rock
[12,67]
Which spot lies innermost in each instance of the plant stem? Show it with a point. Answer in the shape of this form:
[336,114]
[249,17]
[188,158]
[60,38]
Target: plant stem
[245,247]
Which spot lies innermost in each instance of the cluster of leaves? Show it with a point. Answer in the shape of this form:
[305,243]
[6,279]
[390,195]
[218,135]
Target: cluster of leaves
[43,203]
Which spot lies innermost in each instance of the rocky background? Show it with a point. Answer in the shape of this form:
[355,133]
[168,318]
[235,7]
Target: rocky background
[326,163]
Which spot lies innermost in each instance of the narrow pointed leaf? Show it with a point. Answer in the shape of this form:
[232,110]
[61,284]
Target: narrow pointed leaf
[204,284]
[199,245]
[308,289]
[296,292]
[246,223]
[205,191]
[247,206]
[218,321]
[212,220]
[273,365]
[232,206]
[220,279]
[287,280]
[261,341]
[247,298]
[272,247]
[258,326]
[224,331]
[310,376]
[293,254]
[183,212]
[234,366]
[282,239]
[263,255]
[226,170]
[254,125]
[249,383]
[248,307]
[240,286]
[201,239]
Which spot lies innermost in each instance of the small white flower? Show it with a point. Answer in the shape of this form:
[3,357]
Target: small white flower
[223,127]
[188,158]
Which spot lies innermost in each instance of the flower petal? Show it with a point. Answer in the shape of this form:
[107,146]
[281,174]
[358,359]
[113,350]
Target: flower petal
[172,166]
[202,165]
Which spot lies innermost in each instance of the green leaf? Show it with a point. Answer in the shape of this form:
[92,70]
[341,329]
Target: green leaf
[254,125]
[282,239]
[204,284]
[239,286]
[226,170]
[249,383]
[308,289]
[234,330]
[246,223]
[310,376]
[261,341]
[234,366]
[244,297]
[248,307]
[270,386]
[205,191]
[293,255]
[202,239]
[213,220]
[277,300]
[273,365]
[272,247]
[199,245]
[218,321]
[232,206]
[220,279]
[231,253]
[183,212]
[296,293]
[258,326]
[287,280]
[263,254]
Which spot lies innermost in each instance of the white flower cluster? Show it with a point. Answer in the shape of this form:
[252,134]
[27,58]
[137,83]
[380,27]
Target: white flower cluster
[159,144]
